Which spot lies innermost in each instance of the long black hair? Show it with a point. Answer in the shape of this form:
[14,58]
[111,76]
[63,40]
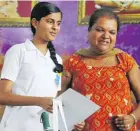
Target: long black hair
[40,10]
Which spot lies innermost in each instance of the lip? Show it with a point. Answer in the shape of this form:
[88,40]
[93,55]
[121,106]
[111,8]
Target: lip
[103,42]
[53,34]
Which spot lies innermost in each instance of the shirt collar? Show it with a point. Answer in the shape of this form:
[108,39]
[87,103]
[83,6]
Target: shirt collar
[29,45]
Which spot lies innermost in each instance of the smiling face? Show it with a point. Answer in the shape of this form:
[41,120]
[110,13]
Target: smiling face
[102,36]
[48,27]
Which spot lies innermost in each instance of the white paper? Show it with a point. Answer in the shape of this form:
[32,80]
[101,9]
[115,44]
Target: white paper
[76,108]
[1,127]
[58,103]
[55,115]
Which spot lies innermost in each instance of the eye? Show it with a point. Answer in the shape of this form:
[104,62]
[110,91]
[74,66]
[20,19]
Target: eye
[49,21]
[99,30]
[58,23]
[113,32]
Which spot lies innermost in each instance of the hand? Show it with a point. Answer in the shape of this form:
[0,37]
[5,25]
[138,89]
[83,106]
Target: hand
[80,126]
[124,122]
[46,103]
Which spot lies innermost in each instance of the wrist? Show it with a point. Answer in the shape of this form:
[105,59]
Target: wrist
[38,101]
[134,118]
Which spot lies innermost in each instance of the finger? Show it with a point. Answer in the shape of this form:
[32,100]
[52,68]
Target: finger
[121,127]
[80,124]
[49,109]
[78,128]
[119,123]
[119,120]
[128,127]
[124,127]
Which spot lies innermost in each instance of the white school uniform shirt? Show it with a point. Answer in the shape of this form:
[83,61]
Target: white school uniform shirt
[32,74]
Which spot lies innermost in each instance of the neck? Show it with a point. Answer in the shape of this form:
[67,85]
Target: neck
[100,55]
[41,45]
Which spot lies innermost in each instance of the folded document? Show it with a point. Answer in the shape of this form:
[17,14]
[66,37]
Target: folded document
[69,109]
[76,108]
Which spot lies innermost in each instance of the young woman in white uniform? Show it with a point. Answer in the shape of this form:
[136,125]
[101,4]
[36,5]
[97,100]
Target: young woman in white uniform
[30,77]
[31,74]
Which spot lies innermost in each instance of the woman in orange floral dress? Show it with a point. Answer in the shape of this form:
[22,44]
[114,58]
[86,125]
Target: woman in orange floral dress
[104,75]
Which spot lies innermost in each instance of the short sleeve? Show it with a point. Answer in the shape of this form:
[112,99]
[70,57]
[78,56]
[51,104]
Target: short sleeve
[128,61]
[70,64]
[11,64]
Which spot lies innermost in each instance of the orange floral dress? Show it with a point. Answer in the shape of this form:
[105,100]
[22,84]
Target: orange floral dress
[110,89]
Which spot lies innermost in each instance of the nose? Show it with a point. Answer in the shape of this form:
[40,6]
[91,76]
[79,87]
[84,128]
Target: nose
[105,35]
[55,26]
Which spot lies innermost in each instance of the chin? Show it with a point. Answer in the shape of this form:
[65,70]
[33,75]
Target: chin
[49,40]
[52,38]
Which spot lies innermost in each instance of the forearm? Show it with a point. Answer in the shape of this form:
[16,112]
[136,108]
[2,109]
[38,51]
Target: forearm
[17,100]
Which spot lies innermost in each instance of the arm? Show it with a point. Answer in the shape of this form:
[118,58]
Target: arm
[125,122]
[8,98]
[134,79]
[9,74]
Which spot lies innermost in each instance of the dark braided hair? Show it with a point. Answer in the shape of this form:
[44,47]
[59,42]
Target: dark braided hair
[59,67]
[42,9]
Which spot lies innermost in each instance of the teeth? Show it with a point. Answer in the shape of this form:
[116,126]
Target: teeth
[104,42]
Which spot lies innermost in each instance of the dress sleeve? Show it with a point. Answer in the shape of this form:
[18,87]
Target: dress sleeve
[130,62]
[11,64]
[70,64]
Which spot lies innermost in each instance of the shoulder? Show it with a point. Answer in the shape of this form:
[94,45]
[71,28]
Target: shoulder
[117,50]
[126,56]
[20,48]
[127,61]
[74,57]
[73,60]
[16,52]
[16,49]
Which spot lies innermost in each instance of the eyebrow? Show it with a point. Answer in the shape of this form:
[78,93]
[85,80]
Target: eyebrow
[104,28]
[53,19]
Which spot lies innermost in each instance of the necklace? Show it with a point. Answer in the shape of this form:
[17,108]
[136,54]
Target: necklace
[98,72]
[103,65]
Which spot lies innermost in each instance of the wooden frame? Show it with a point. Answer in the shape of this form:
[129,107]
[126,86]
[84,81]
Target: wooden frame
[130,13]
[15,13]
